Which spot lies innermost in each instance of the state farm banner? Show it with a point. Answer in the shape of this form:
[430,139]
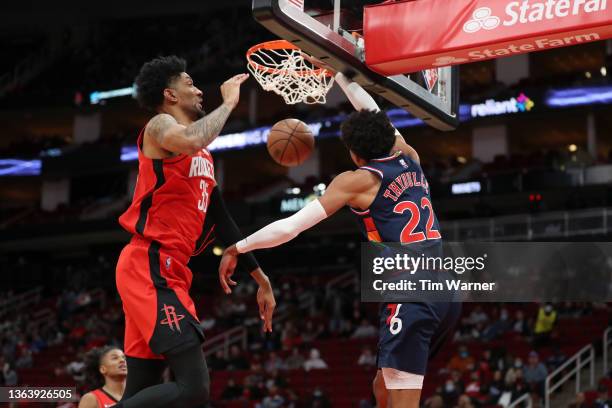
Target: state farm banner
[409,36]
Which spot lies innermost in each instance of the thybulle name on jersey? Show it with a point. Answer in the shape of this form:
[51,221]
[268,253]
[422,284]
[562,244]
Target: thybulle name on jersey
[403,182]
[201,166]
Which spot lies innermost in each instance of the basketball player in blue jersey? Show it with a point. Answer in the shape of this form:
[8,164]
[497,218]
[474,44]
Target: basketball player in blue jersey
[391,196]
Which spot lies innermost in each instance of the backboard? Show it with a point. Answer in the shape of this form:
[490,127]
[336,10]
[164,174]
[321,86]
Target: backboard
[332,35]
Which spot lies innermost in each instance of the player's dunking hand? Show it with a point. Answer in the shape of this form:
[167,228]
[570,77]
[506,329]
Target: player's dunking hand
[230,89]
[265,294]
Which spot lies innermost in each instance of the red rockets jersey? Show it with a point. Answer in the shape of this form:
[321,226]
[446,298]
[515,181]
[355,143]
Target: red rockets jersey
[170,200]
[104,399]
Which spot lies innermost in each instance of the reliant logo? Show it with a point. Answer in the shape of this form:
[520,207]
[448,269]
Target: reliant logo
[531,12]
[493,108]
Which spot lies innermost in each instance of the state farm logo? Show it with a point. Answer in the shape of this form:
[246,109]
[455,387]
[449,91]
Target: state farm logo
[482,19]
[526,11]
[445,61]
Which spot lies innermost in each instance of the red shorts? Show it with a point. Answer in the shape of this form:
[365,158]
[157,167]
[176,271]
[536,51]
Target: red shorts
[160,316]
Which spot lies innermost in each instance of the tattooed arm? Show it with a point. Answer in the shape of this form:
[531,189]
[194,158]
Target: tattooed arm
[174,137]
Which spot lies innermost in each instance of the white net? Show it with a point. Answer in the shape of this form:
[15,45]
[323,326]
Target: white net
[285,72]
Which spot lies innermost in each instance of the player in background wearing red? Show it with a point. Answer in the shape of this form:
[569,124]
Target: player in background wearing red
[410,333]
[175,194]
[106,371]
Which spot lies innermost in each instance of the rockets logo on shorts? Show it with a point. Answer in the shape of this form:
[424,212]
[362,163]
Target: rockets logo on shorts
[172,319]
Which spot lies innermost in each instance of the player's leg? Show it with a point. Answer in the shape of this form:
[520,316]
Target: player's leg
[403,388]
[406,330]
[145,369]
[164,316]
[379,389]
[142,373]
[191,387]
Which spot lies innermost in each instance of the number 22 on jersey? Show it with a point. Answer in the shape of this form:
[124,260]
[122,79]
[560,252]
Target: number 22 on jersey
[408,235]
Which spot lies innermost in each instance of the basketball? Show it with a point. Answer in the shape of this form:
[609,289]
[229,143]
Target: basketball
[290,142]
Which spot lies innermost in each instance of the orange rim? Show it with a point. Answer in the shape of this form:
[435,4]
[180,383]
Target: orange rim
[279,45]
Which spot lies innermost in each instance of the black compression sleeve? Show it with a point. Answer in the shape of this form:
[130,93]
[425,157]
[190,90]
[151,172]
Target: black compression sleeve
[226,229]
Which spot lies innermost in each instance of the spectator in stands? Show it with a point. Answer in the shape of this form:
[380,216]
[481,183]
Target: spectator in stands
[295,361]
[237,360]
[315,362]
[472,389]
[76,368]
[602,401]
[10,375]
[318,399]
[462,361]
[217,361]
[290,337]
[25,360]
[579,401]
[535,373]
[435,401]
[477,316]
[365,330]
[464,402]
[555,359]
[367,358]
[545,323]
[496,387]
[231,391]
[497,327]
[275,379]
[273,363]
[274,399]
[453,387]
[309,334]
[520,325]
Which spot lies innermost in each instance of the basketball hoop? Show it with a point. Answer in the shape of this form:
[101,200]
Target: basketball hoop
[280,67]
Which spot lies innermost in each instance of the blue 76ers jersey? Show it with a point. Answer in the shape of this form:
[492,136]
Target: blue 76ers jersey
[402,210]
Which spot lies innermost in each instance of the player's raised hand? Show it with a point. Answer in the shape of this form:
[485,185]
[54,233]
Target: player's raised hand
[226,270]
[230,89]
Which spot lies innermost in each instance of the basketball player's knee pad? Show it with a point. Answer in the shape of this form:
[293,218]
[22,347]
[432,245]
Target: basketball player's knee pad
[401,380]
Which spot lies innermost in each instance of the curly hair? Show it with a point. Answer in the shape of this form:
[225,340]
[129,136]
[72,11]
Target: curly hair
[154,77]
[93,361]
[369,134]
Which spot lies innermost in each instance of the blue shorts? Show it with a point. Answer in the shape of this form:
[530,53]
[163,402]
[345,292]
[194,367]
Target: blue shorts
[412,333]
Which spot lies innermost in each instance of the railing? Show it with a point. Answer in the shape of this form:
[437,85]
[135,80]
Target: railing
[20,301]
[524,398]
[531,226]
[224,340]
[607,341]
[585,356]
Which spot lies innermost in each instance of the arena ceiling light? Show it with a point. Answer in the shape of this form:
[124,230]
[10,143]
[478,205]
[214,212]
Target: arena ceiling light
[97,96]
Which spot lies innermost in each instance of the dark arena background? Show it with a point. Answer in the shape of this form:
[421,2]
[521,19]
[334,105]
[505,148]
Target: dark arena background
[531,161]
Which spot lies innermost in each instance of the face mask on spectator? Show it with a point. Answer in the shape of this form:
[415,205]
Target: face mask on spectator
[518,363]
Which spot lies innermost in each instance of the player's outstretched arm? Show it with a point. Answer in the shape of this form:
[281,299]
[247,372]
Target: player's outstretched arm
[227,231]
[176,138]
[340,192]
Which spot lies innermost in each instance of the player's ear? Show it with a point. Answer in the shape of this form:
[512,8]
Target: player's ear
[170,95]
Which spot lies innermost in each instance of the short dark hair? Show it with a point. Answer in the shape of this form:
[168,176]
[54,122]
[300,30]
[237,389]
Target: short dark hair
[369,134]
[93,361]
[155,76]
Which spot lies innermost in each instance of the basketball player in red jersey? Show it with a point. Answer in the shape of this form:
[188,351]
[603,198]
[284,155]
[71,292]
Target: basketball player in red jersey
[106,364]
[175,192]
